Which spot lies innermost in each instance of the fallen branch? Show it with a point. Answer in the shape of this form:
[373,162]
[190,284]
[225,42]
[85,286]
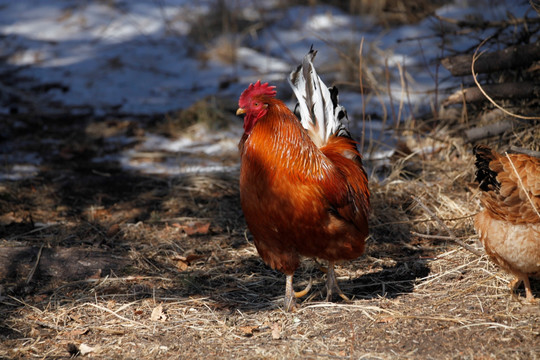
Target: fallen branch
[479,24]
[473,72]
[515,149]
[509,58]
[496,91]
[478,133]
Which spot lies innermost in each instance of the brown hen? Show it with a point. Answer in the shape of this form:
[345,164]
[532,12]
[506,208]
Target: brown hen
[509,225]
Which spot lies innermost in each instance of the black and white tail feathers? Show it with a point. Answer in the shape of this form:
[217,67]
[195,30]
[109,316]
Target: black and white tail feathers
[486,177]
[320,112]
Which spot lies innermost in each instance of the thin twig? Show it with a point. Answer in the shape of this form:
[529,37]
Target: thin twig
[474,75]
[35,265]
[362,97]
[448,230]
[118,316]
[440,237]
[488,24]
[402,97]
[41,228]
[50,326]
[109,279]
[433,318]
[490,324]
[418,221]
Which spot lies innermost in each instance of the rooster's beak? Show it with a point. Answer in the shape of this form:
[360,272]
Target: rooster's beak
[240,111]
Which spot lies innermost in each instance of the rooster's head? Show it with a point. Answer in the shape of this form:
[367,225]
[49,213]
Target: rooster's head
[253,103]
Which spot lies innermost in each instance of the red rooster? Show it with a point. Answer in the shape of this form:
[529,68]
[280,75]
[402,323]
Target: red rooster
[303,189]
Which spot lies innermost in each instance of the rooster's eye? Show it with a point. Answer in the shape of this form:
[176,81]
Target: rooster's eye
[256,104]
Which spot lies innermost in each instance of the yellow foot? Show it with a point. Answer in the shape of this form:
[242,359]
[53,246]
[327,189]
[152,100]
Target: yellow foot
[291,295]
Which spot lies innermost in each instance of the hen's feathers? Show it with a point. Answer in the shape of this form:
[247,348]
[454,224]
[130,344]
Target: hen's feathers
[509,225]
[320,112]
[511,185]
[486,177]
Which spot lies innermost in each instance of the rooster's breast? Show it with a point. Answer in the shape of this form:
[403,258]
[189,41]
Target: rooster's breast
[289,215]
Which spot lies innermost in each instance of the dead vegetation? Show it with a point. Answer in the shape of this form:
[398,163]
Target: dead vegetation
[118,265]
[101,262]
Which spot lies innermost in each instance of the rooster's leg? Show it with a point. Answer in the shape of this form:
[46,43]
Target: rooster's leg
[332,285]
[291,295]
[290,299]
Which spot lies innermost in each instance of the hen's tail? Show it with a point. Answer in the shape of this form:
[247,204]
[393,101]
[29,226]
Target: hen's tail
[486,177]
[320,112]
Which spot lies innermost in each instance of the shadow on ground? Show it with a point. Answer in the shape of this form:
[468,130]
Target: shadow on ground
[80,229]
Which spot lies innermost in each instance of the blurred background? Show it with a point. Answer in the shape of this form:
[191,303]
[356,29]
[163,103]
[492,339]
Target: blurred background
[156,82]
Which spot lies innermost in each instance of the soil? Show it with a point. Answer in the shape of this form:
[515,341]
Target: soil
[99,261]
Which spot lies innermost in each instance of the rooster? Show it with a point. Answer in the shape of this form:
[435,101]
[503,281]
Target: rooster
[303,189]
[509,225]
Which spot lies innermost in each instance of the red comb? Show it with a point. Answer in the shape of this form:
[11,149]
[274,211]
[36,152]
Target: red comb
[254,90]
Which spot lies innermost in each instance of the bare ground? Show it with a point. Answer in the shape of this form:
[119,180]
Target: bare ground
[100,262]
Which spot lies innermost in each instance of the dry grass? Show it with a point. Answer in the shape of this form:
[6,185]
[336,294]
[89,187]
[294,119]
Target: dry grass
[184,279]
[123,265]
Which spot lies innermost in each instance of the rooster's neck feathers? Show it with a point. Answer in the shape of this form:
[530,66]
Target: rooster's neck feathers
[280,139]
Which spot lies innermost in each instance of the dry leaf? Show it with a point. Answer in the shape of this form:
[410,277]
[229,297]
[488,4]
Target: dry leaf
[386,319]
[157,314]
[248,330]
[182,262]
[37,298]
[195,228]
[85,349]
[113,230]
[276,331]
[193,257]
[96,275]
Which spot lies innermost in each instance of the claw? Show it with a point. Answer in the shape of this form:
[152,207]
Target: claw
[332,285]
[299,294]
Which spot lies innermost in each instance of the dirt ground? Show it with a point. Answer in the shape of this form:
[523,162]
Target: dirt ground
[101,262]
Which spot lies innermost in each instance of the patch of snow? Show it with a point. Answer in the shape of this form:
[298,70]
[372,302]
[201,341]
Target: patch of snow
[137,57]
[19,172]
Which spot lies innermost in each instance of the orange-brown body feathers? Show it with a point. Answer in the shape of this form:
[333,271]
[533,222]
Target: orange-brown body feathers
[509,225]
[299,199]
